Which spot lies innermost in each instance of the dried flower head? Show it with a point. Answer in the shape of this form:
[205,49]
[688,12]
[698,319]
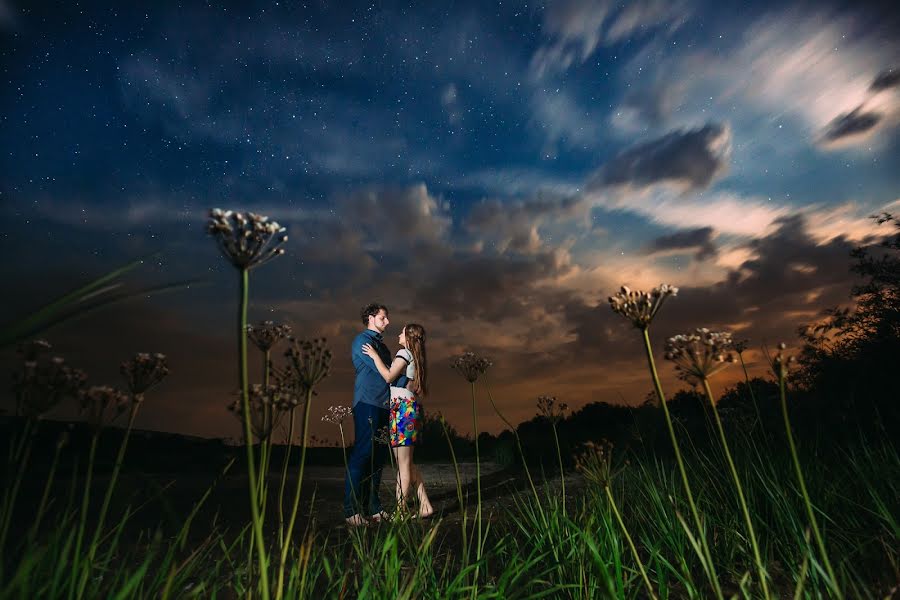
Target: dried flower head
[245,238]
[595,462]
[143,372]
[697,356]
[43,381]
[641,307]
[470,365]
[741,346]
[102,404]
[337,414]
[266,334]
[310,361]
[264,411]
[286,398]
[382,436]
[549,408]
[780,364]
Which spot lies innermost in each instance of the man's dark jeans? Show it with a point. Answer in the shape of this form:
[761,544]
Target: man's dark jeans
[366,461]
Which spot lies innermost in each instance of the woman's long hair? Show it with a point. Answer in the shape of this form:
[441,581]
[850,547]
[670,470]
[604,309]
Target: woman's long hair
[415,343]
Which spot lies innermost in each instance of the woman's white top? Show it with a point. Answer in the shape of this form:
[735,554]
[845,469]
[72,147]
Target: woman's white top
[398,388]
[410,365]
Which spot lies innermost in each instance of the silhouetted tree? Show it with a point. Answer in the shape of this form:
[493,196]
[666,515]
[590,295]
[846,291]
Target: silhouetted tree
[849,358]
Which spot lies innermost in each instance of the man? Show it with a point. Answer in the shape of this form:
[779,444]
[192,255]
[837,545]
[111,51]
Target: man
[371,398]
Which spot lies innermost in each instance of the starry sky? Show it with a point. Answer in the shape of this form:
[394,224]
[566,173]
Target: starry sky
[491,170]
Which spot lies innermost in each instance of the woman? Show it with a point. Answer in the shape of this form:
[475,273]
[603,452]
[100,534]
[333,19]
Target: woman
[408,376]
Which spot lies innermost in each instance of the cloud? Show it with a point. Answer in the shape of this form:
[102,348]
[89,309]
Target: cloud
[450,102]
[487,288]
[149,208]
[880,107]
[787,280]
[396,218]
[515,226]
[574,28]
[688,158]
[559,117]
[851,124]
[649,107]
[784,77]
[700,239]
[885,80]
[520,182]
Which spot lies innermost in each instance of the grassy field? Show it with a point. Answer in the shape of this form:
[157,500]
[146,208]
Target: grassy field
[162,543]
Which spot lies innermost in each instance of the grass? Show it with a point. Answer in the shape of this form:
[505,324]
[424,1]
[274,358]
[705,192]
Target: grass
[620,536]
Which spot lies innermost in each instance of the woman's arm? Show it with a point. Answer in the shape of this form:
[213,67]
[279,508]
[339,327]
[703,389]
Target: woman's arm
[397,367]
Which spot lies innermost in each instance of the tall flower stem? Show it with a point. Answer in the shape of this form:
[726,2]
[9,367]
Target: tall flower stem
[711,570]
[20,453]
[45,497]
[521,453]
[763,579]
[265,445]
[562,475]
[286,544]
[284,470]
[802,482]
[85,498]
[750,387]
[459,495]
[477,483]
[634,552]
[120,458]
[258,539]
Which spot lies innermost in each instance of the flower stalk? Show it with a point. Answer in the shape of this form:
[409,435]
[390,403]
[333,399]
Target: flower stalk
[641,308]
[780,366]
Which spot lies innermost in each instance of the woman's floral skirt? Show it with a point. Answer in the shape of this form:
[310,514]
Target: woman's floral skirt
[405,418]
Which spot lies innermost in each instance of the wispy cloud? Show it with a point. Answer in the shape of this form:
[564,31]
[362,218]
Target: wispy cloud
[689,159]
[806,69]
[574,28]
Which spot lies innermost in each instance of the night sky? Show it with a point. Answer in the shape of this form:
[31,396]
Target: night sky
[493,171]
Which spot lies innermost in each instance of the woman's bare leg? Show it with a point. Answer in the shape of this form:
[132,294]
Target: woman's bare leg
[404,474]
[425,507]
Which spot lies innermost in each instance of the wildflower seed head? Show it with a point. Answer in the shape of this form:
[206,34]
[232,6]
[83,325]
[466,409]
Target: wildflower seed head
[102,404]
[44,381]
[310,361]
[248,240]
[264,409]
[337,414]
[382,436]
[550,409]
[697,356]
[741,346]
[641,307]
[266,334]
[143,372]
[595,462]
[779,363]
[470,365]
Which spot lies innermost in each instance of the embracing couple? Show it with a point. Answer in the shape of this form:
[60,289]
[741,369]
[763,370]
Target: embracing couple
[385,398]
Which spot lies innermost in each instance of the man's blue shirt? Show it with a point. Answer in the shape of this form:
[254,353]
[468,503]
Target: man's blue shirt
[370,386]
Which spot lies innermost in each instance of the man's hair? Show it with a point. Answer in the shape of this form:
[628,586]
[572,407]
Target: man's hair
[370,310]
